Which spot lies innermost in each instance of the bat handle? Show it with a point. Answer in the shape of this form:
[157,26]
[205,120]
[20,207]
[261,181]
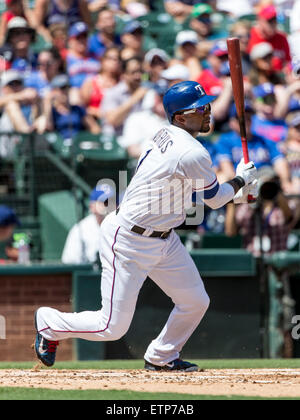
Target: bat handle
[251,199]
[245,150]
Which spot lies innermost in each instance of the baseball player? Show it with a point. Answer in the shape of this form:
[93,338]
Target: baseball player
[138,240]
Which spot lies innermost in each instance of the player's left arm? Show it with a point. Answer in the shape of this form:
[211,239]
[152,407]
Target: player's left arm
[237,189]
[223,193]
[197,166]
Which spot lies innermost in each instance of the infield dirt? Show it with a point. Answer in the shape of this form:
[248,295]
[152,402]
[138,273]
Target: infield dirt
[245,382]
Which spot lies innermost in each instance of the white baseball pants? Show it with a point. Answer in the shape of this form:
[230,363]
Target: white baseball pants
[127,259]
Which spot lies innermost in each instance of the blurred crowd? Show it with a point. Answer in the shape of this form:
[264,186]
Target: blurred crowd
[74,65]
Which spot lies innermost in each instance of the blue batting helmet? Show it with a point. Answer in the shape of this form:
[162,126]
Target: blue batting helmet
[185,95]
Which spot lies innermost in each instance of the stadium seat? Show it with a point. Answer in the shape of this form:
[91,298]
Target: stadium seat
[98,147]
[219,240]
[57,144]
[57,214]
[249,17]
[161,27]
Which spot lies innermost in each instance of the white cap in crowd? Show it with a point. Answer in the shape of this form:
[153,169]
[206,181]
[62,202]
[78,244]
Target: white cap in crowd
[156,52]
[9,76]
[187,36]
[261,50]
[178,71]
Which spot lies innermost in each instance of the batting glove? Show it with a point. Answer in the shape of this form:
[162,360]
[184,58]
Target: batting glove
[241,196]
[246,171]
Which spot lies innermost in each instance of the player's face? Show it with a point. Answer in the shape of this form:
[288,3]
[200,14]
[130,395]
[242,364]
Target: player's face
[197,120]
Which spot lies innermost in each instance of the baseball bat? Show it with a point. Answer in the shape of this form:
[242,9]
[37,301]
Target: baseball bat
[236,73]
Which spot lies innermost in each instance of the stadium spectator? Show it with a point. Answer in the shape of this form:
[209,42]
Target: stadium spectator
[98,5]
[14,8]
[61,116]
[290,97]
[187,53]
[237,9]
[49,65]
[124,98]
[265,227]
[59,36]
[216,81]
[132,39]
[19,104]
[8,222]
[180,9]
[262,70]
[268,121]
[266,31]
[155,62]
[201,22]
[69,12]
[262,152]
[175,74]
[79,63]
[106,36]
[292,152]
[135,8]
[82,244]
[295,17]
[19,38]
[93,89]
[210,78]
[241,30]
[294,37]
[141,126]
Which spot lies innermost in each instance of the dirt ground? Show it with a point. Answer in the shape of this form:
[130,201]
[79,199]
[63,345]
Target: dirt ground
[250,382]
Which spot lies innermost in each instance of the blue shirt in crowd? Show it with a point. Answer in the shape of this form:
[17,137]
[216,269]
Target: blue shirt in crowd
[275,130]
[79,69]
[261,151]
[25,65]
[36,81]
[294,104]
[96,46]
[68,125]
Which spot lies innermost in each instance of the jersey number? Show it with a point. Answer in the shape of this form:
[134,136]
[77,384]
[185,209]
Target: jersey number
[142,160]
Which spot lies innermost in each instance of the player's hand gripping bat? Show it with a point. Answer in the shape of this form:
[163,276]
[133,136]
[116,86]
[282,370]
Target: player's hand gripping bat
[235,63]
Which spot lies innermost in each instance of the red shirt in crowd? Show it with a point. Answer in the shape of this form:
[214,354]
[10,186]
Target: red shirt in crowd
[210,83]
[8,15]
[97,94]
[280,44]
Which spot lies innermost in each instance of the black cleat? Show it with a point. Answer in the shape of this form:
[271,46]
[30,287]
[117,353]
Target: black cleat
[176,365]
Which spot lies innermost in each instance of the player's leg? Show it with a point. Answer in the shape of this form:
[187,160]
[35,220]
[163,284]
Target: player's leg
[121,280]
[178,276]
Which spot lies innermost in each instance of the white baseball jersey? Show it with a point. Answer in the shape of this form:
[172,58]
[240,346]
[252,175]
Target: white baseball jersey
[167,174]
